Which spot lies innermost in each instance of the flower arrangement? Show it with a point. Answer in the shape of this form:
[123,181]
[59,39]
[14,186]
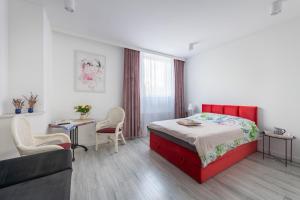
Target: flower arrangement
[18,104]
[83,110]
[31,100]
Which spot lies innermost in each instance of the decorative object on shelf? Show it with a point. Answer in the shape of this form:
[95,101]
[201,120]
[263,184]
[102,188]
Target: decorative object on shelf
[18,104]
[89,72]
[190,110]
[83,110]
[279,131]
[31,100]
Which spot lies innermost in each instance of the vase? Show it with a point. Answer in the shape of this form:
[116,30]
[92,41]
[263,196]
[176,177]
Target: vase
[18,111]
[84,116]
[30,110]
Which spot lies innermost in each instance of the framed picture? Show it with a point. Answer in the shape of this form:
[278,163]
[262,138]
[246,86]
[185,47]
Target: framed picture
[89,72]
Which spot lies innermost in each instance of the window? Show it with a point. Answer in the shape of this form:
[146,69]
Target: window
[157,88]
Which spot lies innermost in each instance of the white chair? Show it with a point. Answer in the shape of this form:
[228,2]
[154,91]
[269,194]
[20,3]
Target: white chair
[28,144]
[112,126]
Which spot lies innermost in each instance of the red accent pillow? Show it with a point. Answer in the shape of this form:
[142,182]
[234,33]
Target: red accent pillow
[231,110]
[217,109]
[107,130]
[66,146]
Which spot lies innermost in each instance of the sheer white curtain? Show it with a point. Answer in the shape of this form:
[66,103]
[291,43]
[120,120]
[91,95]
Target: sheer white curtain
[157,86]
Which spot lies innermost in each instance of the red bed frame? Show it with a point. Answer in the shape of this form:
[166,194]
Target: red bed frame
[189,161]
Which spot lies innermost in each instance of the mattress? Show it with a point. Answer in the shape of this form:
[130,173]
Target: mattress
[173,139]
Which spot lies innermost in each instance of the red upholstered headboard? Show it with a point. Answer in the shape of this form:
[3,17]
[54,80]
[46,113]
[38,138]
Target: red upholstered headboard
[247,112]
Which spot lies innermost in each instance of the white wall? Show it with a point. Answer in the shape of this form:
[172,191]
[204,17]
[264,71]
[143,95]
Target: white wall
[262,69]
[47,64]
[29,60]
[25,50]
[63,98]
[3,55]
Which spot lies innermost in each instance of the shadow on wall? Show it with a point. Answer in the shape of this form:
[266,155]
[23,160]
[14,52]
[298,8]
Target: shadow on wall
[260,118]
[197,109]
[7,107]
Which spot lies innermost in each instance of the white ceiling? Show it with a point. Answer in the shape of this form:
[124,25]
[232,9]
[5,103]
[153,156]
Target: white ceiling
[168,26]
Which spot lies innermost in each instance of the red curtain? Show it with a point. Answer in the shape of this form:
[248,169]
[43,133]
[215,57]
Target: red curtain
[131,93]
[179,88]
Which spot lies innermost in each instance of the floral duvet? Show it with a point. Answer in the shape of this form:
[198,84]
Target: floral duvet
[249,129]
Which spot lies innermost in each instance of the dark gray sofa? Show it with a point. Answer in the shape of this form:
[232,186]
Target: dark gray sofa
[45,176]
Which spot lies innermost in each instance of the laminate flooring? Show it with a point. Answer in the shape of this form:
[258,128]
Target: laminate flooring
[137,173]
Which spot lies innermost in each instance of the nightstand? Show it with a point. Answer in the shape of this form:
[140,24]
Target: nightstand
[285,136]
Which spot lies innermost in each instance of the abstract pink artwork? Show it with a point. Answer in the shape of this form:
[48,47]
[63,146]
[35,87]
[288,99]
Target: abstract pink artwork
[89,72]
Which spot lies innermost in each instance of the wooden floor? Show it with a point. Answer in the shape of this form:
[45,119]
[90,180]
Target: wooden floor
[137,173]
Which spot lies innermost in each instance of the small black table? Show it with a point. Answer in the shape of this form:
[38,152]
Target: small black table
[285,137]
[72,127]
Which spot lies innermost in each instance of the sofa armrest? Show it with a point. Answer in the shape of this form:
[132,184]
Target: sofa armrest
[26,168]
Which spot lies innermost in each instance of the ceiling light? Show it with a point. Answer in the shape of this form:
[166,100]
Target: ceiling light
[276,7]
[192,45]
[70,5]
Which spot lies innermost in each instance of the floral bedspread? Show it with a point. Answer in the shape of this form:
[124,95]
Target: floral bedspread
[248,127]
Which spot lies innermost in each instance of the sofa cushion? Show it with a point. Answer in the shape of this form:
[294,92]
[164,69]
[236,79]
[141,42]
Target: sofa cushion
[26,168]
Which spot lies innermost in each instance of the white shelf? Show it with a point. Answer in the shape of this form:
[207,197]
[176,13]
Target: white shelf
[11,115]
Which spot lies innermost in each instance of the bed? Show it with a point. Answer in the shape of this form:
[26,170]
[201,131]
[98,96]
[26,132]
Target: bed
[186,156]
